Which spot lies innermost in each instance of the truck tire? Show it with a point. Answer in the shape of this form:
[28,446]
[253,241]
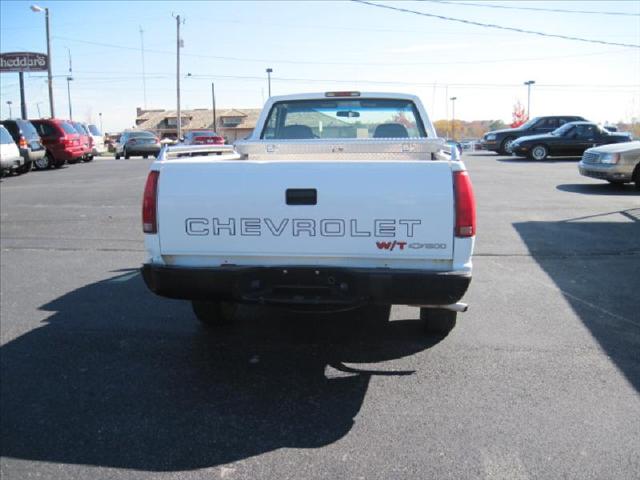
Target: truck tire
[126,155]
[214,314]
[505,146]
[438,320]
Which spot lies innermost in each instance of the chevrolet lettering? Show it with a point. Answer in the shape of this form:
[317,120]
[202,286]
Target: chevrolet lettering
[337,200]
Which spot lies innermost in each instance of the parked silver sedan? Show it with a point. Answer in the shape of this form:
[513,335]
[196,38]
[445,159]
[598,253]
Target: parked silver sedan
[615,163]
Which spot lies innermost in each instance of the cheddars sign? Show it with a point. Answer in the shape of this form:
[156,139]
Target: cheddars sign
[23,62]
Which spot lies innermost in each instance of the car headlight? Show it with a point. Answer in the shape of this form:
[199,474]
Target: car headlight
[491,136]
[610,158]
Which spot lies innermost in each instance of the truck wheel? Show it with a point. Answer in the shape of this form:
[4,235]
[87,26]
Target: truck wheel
[126,155]
[505,146]
[539,153]
[438,320]
[214,314]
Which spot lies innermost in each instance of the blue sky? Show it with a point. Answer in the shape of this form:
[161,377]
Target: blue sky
[319,46]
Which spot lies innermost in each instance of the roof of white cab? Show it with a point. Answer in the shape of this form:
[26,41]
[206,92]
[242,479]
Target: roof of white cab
[323,96]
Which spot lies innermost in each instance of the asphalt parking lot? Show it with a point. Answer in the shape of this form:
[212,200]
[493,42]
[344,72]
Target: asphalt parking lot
[539,379]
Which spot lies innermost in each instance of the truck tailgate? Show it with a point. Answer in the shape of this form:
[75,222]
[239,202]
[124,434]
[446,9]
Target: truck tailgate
[360,210]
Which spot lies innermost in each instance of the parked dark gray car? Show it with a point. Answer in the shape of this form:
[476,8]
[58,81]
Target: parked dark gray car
[26,137]
[137,143]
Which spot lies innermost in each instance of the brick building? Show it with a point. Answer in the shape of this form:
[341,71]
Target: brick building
[233,124]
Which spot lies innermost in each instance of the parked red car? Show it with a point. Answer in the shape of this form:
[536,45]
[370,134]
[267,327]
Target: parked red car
[202,137]
[85,139]
[61,140]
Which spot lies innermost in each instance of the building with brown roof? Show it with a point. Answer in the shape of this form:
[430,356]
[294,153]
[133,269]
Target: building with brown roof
[233,124]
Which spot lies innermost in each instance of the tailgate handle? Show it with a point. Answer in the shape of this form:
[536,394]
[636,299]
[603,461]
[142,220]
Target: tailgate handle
[302,196]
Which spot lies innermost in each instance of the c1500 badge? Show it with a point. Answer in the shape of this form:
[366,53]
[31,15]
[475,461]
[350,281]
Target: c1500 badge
[400,245]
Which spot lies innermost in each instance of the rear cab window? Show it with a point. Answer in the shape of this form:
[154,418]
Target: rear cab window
[343,119]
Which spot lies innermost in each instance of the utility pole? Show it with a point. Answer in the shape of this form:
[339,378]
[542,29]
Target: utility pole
[69,78]
[178,45]
[453,117]
[23,102]
[38,107]
[36,8]
[144,79]
[269,72]
[528,83]
[213,103]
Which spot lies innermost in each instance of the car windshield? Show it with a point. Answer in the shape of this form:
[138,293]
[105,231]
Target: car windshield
[28,130]
[94,130]
[4,136]
[563,130]
[529,123]
[343,118]
[141,134]
[68,128]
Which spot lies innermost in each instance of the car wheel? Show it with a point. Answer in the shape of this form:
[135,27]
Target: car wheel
[88,158]
[44,162]
[117,157]
[58,164]
[214,314]
[438,320]
[126,154]
[636,176]
[505,146]
[539,152]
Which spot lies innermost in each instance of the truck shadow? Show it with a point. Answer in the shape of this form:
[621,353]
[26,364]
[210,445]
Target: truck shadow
[595,262]
[120,378]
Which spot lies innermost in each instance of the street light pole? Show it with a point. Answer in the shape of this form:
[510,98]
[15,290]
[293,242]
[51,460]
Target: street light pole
[36,8]
[528,83]
[213,104]
[9,102]
[69,79]
[269,71]
[453,117]
[178,45]
[101,130]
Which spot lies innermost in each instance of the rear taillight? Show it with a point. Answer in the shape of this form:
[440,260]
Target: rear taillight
[150,204]
[22,143]
[465,205]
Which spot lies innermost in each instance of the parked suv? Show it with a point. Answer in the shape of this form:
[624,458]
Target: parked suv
[98,140]
[10,159]
[85,140]
[61,141]
[26,137]
[500,140]
[137,142]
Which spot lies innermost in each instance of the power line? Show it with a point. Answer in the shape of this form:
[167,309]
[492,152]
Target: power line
[535,9]
[306,62]
[492,25]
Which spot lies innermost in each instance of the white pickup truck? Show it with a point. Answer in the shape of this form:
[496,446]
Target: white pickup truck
[337,200]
